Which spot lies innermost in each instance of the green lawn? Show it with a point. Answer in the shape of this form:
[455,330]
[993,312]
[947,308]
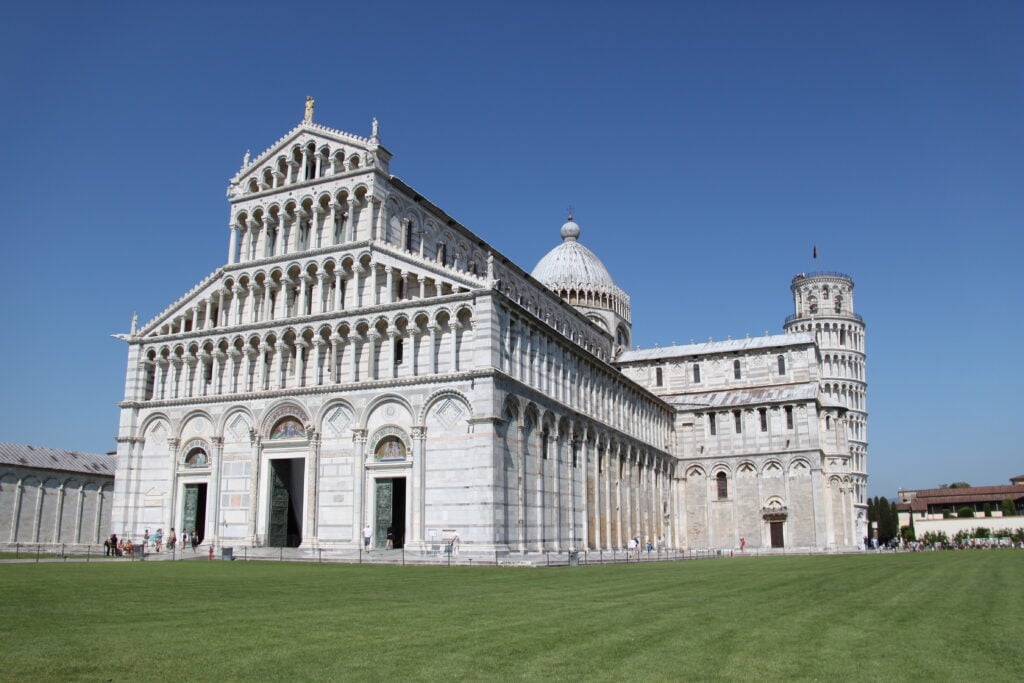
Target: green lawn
[927,616]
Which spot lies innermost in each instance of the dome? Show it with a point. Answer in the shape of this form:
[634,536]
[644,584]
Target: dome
[571,263]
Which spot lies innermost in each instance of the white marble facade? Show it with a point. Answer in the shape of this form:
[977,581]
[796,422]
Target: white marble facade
[364,359]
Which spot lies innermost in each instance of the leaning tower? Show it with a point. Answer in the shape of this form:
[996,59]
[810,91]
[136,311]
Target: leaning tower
[824,305]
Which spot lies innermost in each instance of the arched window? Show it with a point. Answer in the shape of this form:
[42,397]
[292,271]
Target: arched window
[737,373]
[287,428]
[763,414]
[658,377]
[196,458]
[696,373]
[782,364]
[737,418]
[824,292]
[812,304]
[828,422]
[723,485]
[712,427]
[839,304]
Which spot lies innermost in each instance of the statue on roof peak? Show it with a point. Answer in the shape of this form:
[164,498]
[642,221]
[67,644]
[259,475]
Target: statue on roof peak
[309,109]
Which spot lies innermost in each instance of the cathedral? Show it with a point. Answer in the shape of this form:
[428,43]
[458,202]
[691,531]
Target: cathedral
[363,361]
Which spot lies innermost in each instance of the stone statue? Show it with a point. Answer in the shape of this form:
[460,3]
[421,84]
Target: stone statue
[373,128]
[135,322]
[309,110]
[246,159]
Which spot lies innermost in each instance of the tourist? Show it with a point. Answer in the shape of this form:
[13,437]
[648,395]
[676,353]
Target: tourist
[184,540]
[106,547]
[195,538]
[158,539]
[391,538]
[145,540]
[171,540]
[367,535]
[743,543]
[631,548]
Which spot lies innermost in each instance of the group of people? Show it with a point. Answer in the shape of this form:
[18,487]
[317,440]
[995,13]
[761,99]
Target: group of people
[634,547]
[124,547]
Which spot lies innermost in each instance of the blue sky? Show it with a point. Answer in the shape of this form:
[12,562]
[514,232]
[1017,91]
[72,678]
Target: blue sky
[706,147]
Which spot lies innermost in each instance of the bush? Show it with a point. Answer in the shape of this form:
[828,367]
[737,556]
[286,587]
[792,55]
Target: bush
[965,512]
[1008,509]
[907,532]
[947,514]
[988,509]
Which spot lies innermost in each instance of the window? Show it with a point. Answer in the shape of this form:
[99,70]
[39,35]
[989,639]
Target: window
[782,364]
[824,293]
[658,377]
[544,445]
[712,427]
[839,304]
[789,417]
[737,418]
[723,485]
[842,336]
[763,414]
[696,373]
[737,373]
[828,422]
[399,351]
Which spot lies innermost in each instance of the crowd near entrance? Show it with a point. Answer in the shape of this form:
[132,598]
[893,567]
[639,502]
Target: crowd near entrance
[390,513]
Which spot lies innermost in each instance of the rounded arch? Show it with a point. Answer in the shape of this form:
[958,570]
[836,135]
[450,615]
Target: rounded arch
[695,471]
[377,401]
[439,396]
[282,409]
[229,415]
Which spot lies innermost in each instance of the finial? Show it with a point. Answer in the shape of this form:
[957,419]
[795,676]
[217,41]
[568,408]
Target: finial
[245,159]
[135,321]
[570,231]
[374,130]
[310,102]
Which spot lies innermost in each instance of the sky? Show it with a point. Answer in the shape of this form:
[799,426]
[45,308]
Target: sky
[706,148]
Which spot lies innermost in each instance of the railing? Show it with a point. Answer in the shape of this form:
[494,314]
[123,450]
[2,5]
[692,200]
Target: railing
[822,314]
[821,273]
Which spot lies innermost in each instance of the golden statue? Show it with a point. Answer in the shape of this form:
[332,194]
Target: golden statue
[309,110]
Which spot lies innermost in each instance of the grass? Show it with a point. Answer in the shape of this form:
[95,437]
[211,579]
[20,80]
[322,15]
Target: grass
[938,616]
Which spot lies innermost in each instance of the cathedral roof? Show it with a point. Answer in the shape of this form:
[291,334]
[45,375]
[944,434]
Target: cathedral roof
[55,459]
[710,348]
[571,264]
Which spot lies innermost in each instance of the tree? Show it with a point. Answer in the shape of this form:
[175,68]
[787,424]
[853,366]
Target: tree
[955,485]
[907,532]
[1008,509]
[965,512]
[988,509]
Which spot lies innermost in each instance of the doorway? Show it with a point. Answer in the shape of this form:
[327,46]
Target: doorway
[777,537]
[285,528]
[193,519]
[390,512]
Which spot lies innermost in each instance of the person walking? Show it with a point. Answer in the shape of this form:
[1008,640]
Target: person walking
[172,540]
[390,545]
[195,538]
[184,540]
[158,539]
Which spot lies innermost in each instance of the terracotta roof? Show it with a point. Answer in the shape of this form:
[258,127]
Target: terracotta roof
[54,459]
[957,497]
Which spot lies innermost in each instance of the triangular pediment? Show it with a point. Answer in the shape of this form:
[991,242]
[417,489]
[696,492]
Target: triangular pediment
[339,151]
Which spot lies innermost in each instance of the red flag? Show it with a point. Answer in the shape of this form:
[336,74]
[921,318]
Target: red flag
[815,251]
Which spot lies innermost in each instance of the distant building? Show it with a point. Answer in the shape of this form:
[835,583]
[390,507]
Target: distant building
[364,359]
[937,510]
[54,496]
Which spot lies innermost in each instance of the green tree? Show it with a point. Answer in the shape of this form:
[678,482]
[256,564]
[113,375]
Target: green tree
[965,512]
[988,509]
[907,532]
[1008,509]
